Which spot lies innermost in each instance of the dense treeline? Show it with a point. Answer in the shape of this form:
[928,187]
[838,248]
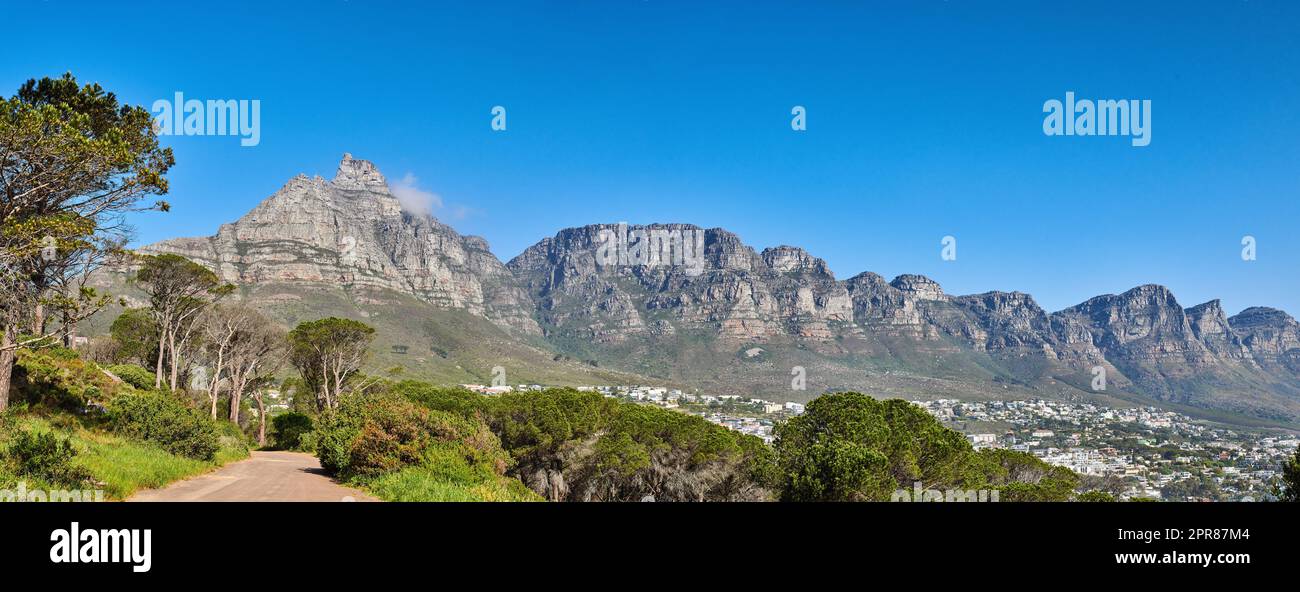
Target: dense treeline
[580,446]
[563,444]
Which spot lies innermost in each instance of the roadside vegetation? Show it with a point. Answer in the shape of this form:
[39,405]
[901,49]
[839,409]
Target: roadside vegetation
[73,427]
[414,441]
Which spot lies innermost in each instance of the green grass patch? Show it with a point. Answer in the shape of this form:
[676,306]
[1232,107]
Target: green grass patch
[448,482]
[121,466]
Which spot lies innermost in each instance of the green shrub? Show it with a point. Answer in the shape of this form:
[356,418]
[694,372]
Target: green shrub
[334,434]
[44,456]
[166,421]
[454,399]
[289,429]
[394,435]
[1022,477]
[606,449]
[369,437]
[1095,496]
[374,436]
[233,442]
[446,477]
[55,377]
[851,447]
[133,375]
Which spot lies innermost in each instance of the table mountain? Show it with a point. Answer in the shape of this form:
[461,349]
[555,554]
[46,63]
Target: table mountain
[696,307]
[352,231]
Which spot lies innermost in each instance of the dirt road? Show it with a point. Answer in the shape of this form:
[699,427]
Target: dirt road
[265,477]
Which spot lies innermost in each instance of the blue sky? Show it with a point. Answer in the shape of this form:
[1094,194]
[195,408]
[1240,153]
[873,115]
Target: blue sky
[924,120]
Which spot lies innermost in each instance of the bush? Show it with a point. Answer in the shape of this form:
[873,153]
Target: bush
[55,377]
[289,429]
[369,437]
[133,375]
[394,435]
[166,421]
[851,447]
[44,456]
[572,445]
[332,438]
[1022,477]
[1095,496]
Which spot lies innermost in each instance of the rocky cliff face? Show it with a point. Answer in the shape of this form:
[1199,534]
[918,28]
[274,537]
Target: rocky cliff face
[1144,339]
[733,290]
[699,306]
[351,232]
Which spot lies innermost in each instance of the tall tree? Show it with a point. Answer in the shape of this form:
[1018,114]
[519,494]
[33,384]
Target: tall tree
[328,353]
[220,327]
[69,295]
[179,291]
[135,337]
[72,163]
[256,353]
[851,447]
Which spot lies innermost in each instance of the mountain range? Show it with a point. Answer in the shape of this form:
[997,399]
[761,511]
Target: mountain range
[749,322]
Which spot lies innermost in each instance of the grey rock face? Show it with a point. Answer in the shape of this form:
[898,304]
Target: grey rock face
[1268,334]
[1143,338]
[351,231]
[739,293]
[919,286]
[652,294]
[1143,323]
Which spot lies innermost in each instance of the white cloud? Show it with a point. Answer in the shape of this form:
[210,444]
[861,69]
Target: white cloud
[414,200]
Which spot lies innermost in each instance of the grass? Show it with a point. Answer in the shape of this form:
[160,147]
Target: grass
[445,476]
[123,466]
[423,484]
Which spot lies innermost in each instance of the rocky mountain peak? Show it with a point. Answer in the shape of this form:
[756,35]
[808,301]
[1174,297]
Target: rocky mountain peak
[355,173]
[1208,319]
[1260,316]
[351,232]
[1151,294]
[1271,336]
[787,259]
[1213,307]
[919,286]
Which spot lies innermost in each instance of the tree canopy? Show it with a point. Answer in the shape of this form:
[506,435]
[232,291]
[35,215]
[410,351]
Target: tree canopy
[851,447]
[328,353]
[73,161]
